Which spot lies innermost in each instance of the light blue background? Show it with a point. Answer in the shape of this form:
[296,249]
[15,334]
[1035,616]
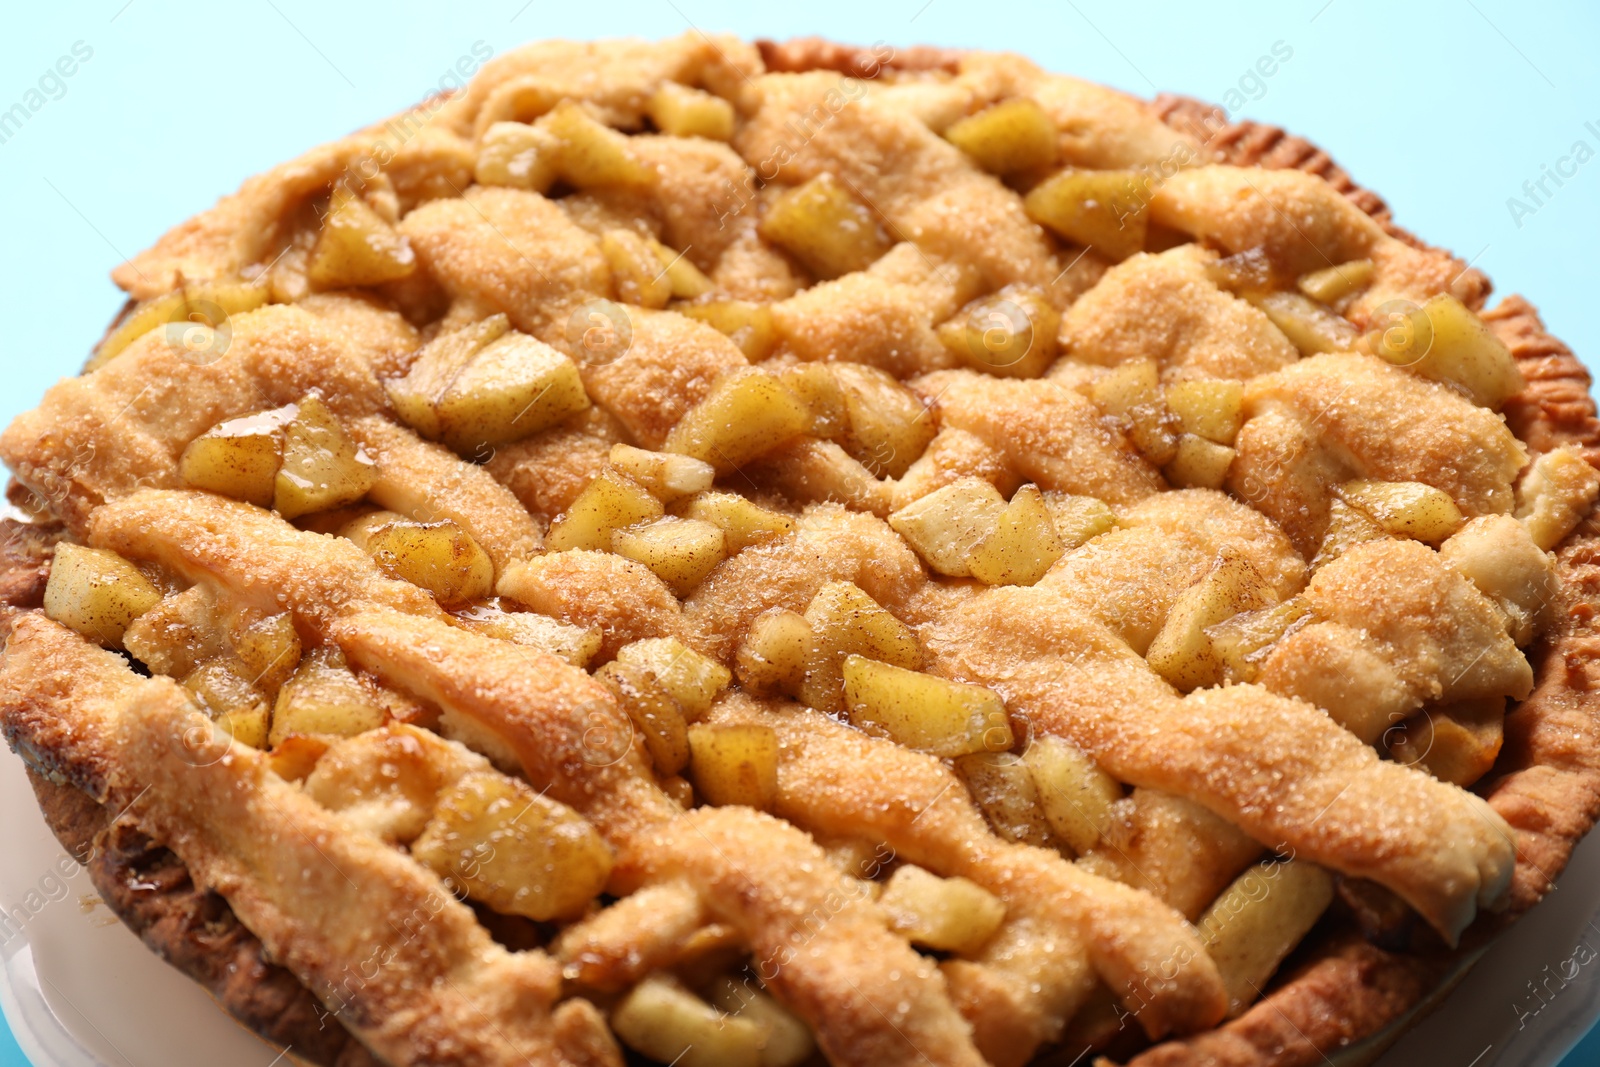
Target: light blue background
[1446,108]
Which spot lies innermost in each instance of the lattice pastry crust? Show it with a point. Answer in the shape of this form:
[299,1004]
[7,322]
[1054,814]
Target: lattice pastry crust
[751,554]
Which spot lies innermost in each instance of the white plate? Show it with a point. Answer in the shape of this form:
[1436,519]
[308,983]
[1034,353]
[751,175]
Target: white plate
[80,990]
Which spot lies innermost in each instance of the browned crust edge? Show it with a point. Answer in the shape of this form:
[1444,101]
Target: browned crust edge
[194,930]
[1349,996]
[800,54]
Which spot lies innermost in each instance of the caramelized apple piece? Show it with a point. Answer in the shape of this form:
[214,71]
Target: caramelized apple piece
[567,143]
[681,552]
[667,1024]
[1446,342]
[735,763]
[944,914]
[923,712]
[665,475]
[232,701]
[1074,793]
[1332,284]
[810,470]
[1182,651]
[680,111]
[1247,272]
[825,227]
[788,1041]
[1199,463]
[1132,392]
[747,412]
[1011,333]
[944,526]
[515,850]
[845,621]
[657,717]
[96,592]
[240,457]
[772,656]
[1106,210]
[1021,547]
[1004,789]
[686,280]
[694,680]
[589,153]
[268,647]
[742,522]
[822,392]
[886,426]
[324,697]
[177,635]
[638,275]
[1405,509]
[1078,519]
[1309,326]
[357,246]
[1258,920]
[441,557]
[322,468]
[1466,353]
[436,368]
[1244,641]
[486,385]
[207,304]
[1212,408]
[1347,527]
[1013,135]
[611,502]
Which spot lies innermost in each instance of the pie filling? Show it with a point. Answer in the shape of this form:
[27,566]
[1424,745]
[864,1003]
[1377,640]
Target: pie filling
[743,566]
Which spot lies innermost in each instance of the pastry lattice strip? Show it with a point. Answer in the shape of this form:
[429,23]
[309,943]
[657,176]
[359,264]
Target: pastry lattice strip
[250,543]
[132,363]
[756,873]
[376,936]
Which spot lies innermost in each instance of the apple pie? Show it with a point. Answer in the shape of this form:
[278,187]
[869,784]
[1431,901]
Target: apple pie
[713,553]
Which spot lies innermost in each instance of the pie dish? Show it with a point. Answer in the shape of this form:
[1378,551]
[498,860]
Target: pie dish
[779,553]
